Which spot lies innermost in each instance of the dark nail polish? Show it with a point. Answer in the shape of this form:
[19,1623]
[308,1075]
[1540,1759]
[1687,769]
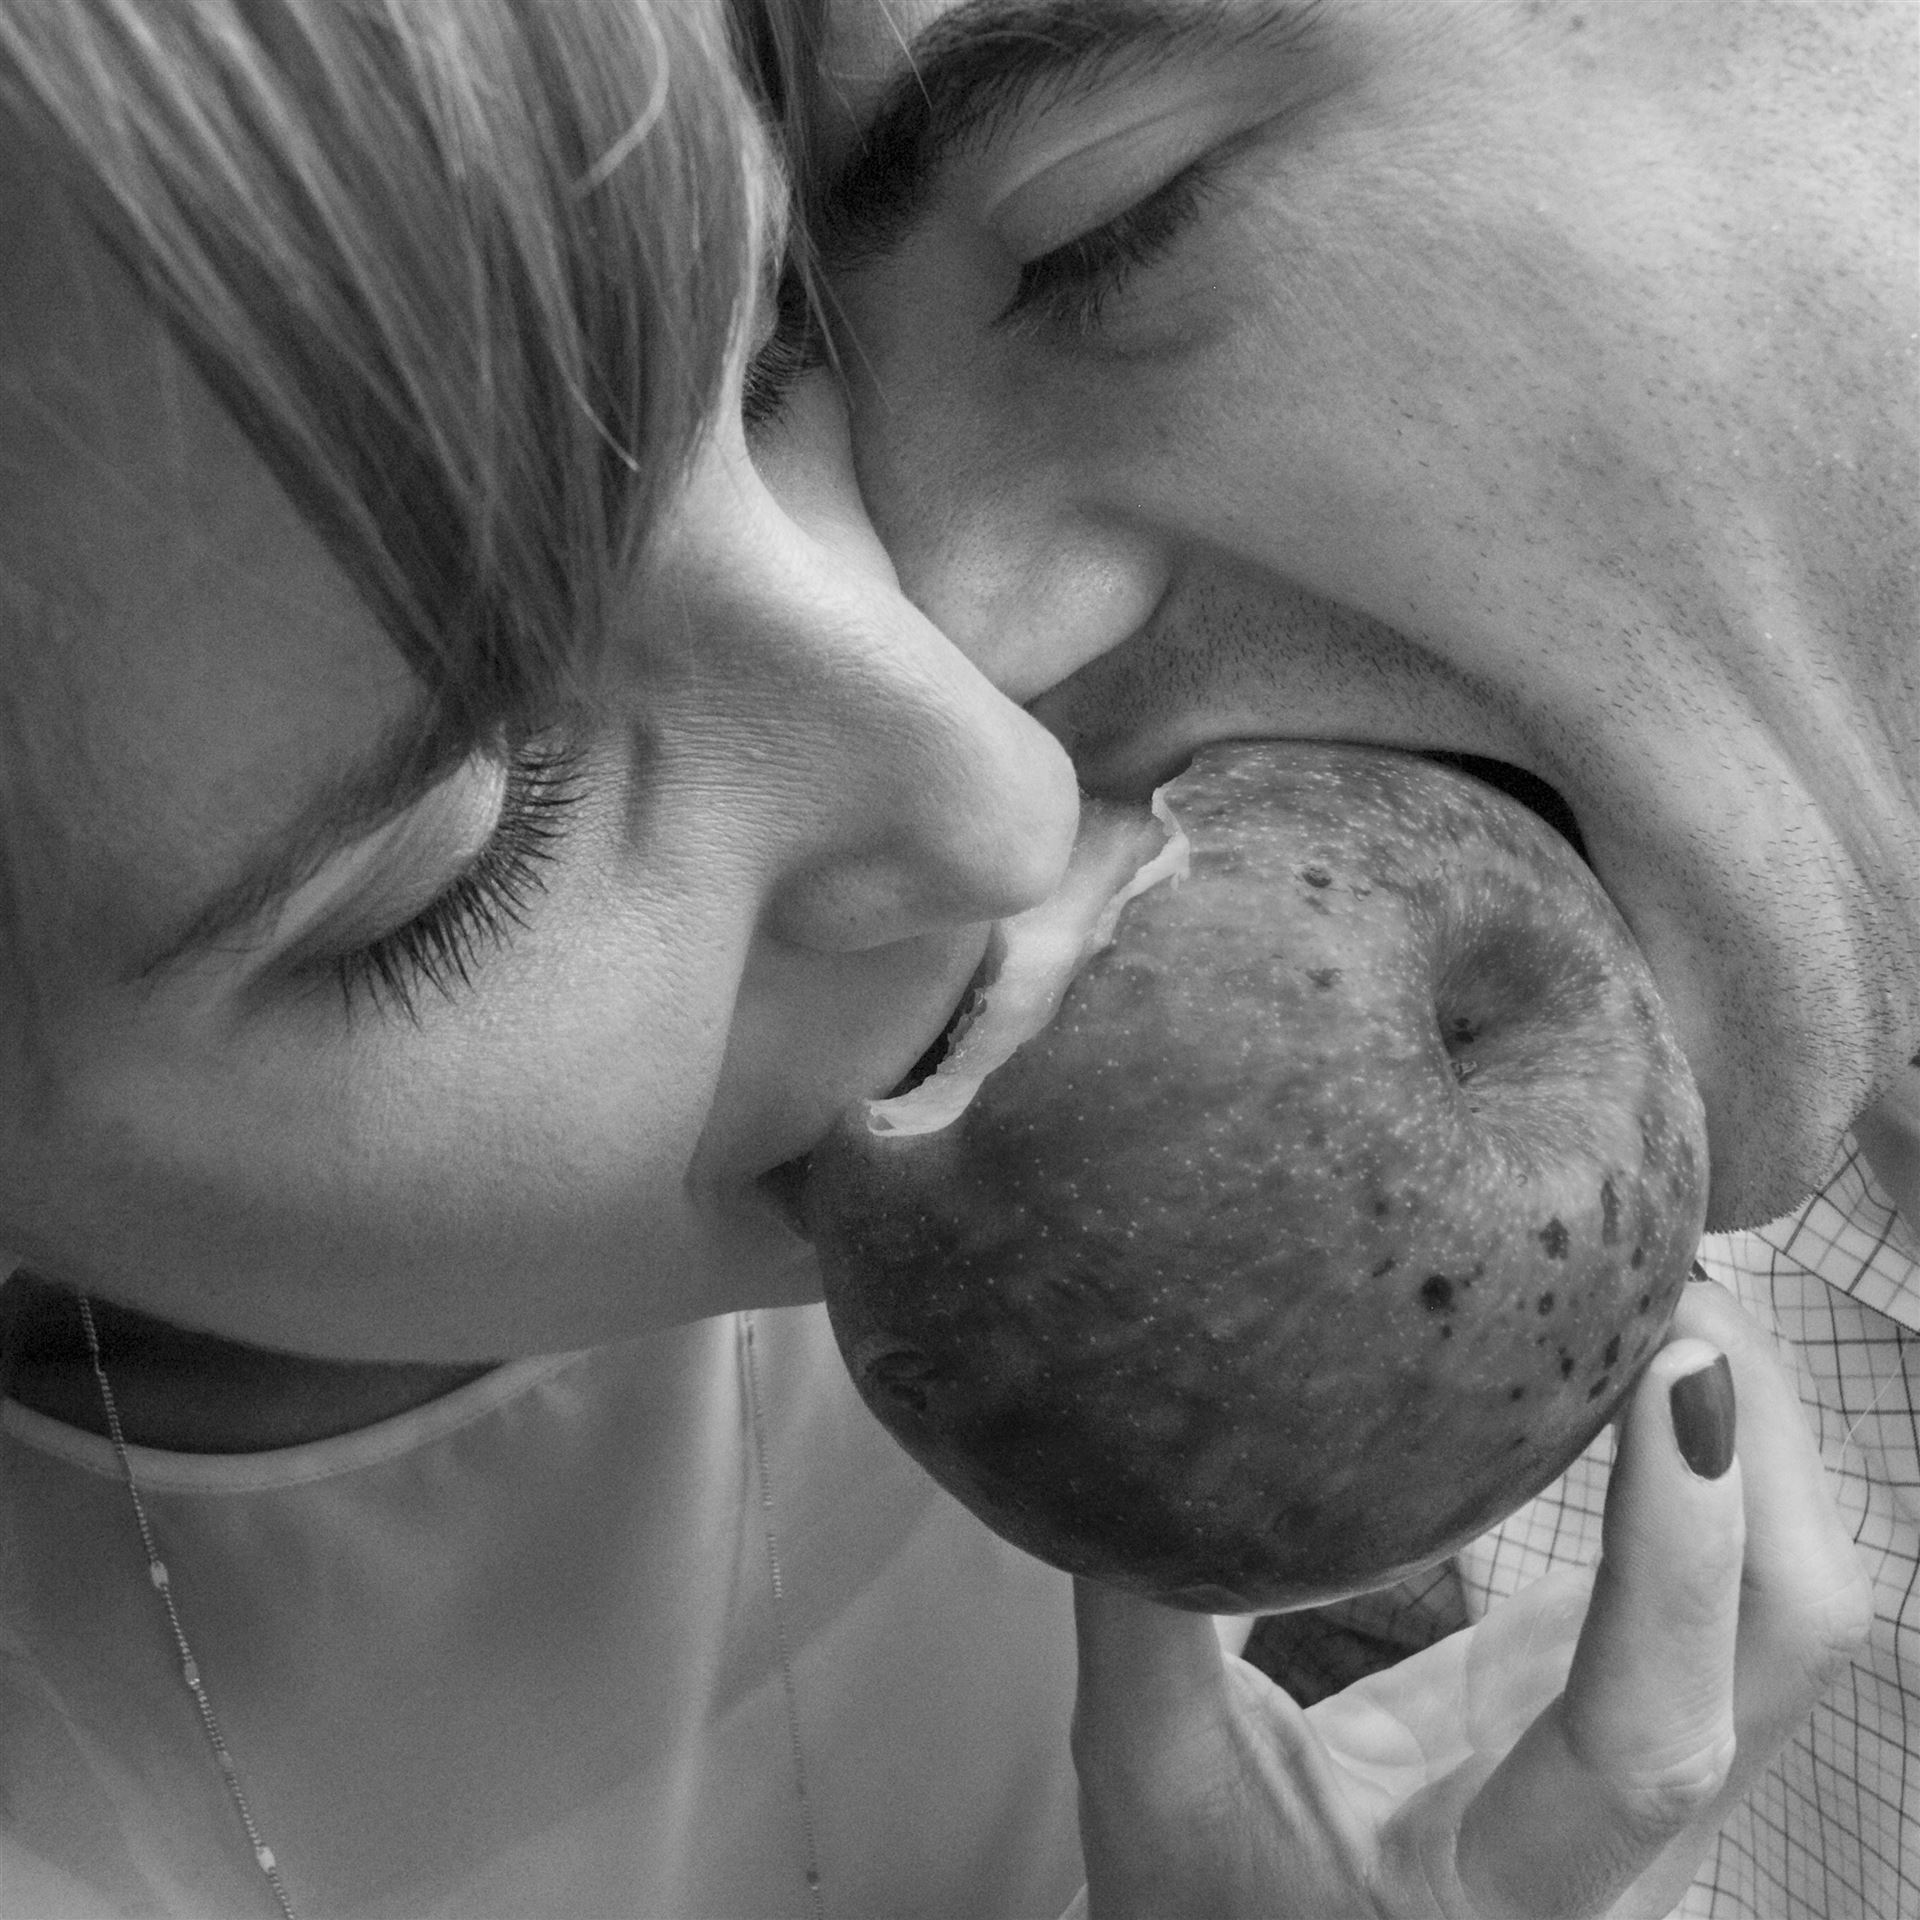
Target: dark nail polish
[1702,1409]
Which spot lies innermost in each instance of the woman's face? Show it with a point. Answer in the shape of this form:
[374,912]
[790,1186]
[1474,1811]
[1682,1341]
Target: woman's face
[746,892]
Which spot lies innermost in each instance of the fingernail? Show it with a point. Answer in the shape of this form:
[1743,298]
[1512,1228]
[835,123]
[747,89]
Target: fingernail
[1702,1407]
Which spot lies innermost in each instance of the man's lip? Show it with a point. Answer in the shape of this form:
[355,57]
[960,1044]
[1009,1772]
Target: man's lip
[1538,795]
[1535,794]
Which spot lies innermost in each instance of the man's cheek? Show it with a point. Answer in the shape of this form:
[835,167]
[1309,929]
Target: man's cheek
[1399,439]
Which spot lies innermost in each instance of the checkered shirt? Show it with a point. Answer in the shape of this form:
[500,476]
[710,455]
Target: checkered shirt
[1832,1832]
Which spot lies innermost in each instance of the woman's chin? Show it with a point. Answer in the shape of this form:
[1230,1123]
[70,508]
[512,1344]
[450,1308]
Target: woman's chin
[760,1258]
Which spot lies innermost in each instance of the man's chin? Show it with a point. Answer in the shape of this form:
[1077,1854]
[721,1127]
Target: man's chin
[1773,1138]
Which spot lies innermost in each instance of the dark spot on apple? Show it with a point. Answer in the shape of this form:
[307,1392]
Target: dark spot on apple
[1599,1386]
[1446,1330]
[1293,1518]
[1385,1267]
[1382,1206]
[1612,1354]
[1553,1236]
[903,1375]
[1324,976]
[1609,1214]
[1566,1364]
[1436,1293]
[1546,1303]
[1639,1258]
[1516,1393]
[1316,876]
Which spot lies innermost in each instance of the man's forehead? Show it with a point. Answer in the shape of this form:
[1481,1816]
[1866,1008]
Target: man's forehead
[872,49]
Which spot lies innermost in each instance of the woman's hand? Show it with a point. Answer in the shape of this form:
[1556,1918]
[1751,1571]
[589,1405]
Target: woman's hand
[1571,1755]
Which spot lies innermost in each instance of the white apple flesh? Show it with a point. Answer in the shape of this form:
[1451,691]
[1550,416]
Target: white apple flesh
[1326,1221]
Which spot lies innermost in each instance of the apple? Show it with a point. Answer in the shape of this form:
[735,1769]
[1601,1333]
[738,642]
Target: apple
[1300,1192]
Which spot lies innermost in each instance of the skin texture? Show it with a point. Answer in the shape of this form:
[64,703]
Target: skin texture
[1530,380]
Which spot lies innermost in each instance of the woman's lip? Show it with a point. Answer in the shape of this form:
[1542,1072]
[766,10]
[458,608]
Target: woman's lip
[783,1186]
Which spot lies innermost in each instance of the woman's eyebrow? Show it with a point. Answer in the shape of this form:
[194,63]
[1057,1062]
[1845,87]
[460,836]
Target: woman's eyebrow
[420,748]
[986,61]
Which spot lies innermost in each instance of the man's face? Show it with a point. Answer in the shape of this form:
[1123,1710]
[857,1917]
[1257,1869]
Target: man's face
[1530,381]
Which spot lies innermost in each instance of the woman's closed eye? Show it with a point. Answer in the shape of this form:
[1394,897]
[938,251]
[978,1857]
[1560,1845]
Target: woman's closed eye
[794,346]
[436,948]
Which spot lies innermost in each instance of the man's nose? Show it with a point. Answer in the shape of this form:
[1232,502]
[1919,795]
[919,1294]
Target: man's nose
[902,792]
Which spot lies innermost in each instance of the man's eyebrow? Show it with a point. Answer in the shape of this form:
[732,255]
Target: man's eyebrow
[418,749]
[985,61]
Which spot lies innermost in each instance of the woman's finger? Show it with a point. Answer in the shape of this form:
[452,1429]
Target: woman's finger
[1807,1604]
[1641,1742]
[1201,1787]
[1806,1601]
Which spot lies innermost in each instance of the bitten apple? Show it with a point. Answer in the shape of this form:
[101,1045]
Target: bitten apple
[1327,1219]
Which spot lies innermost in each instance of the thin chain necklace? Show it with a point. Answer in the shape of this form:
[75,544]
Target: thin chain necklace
[189,1666]
[750,1373]
[210,1721]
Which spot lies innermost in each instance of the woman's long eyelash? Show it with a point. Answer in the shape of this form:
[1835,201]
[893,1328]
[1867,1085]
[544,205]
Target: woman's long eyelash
[1067,289]
[796,346]
[436,949]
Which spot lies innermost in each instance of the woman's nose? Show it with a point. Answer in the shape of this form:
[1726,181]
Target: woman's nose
[903,792]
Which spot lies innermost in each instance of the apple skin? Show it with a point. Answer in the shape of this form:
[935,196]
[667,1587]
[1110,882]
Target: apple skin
[1328,1221]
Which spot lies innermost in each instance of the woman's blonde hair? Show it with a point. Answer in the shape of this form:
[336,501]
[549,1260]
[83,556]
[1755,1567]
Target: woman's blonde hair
[464,271]
[467,275]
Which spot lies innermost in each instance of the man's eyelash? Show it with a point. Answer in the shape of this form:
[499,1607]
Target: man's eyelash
[436,949]
[1067,289]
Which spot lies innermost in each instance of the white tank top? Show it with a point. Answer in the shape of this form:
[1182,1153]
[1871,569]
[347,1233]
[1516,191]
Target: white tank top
[513,1654]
